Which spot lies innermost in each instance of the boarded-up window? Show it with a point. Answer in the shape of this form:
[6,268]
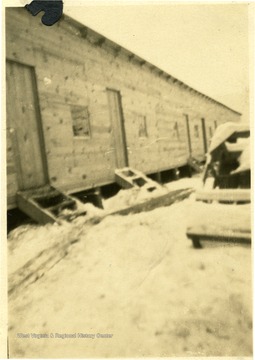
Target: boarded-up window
[176,130]
[80,117]
[142,126]
[196,130]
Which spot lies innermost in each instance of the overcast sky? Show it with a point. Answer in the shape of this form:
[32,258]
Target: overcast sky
[204,45]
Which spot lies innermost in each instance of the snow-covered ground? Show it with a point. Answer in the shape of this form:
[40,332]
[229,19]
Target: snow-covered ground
[133,196]
[138,278]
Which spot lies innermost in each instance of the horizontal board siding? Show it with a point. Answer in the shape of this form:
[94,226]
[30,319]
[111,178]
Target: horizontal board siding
[70,70]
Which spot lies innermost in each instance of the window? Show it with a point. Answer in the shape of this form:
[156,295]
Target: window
[215,124]
[176,130]
[80,117]
[196,130]
[210,131]
[142,126]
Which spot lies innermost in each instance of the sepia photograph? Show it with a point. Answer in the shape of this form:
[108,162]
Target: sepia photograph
[128,179]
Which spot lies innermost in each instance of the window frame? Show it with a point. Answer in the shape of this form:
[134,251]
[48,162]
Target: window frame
[88,125]
[145,129]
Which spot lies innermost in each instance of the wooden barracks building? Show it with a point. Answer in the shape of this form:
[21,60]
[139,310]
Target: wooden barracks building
[80,106]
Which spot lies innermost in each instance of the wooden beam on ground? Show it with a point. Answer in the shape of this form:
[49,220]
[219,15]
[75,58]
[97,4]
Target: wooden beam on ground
[199,237]
[153,203]
[228,195]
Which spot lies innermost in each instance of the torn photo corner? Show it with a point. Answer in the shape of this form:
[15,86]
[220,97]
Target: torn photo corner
[53,10]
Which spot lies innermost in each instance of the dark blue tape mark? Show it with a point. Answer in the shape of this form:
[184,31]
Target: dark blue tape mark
[53,10]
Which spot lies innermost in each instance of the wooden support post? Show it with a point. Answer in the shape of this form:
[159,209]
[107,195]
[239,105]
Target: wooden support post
[176,174]
[159,177]
[189,171]
[98,198]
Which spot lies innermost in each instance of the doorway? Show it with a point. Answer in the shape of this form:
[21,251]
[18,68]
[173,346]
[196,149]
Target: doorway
[204,135]
[118,129]
[23,122]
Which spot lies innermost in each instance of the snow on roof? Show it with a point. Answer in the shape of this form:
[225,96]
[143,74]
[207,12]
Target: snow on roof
[224,131]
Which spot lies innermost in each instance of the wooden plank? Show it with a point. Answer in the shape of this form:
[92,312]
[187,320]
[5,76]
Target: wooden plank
[231,195]
[153,203]
[118,128]
[200,239]
[226,236]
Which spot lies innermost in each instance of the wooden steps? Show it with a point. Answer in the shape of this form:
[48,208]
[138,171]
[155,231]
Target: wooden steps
[130,178]
[48,205]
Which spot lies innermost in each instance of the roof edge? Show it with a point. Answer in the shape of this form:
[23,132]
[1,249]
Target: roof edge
[103,39]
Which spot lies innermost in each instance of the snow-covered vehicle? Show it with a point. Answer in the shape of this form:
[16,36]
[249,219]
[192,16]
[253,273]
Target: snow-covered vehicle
[228,158]
[223,204]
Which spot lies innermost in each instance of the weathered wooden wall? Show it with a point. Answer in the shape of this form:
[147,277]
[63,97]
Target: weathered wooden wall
[72,68]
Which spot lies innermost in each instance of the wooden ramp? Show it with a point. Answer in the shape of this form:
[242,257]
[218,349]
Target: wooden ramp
[48,205]
[130,178]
